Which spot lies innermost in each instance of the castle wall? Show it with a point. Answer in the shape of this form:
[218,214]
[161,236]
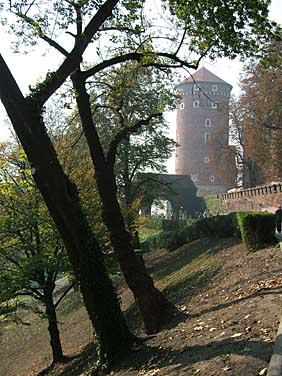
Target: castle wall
[263,198]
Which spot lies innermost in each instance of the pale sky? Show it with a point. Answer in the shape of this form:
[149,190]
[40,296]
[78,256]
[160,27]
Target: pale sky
[28,68]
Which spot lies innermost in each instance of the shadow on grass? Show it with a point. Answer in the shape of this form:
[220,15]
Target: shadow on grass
[191,285]
[264,291]
[187,356]
[188,286]
[73,365]
[189,252]
[178,359]
[71,303]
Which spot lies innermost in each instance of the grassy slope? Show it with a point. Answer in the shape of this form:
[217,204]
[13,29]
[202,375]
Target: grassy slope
[205,279]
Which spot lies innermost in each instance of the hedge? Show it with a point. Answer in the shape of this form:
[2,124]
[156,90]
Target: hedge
[257,229]
[161,224]
[219,226]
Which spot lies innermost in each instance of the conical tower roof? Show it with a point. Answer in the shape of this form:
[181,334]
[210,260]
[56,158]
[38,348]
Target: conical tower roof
[204,75]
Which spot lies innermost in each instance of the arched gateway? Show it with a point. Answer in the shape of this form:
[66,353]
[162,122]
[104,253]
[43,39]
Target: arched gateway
[179,190]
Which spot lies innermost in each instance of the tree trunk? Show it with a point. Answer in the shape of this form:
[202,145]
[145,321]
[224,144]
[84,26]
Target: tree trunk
[55,341]
[62,200]
[127,184]
[154,307]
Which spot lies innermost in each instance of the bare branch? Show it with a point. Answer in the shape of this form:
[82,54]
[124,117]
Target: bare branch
[41,34]
[141,56]
[54,80]
[64,294]
[123,133]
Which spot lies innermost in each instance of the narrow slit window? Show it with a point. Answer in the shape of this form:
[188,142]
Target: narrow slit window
[196,104]
[207,138]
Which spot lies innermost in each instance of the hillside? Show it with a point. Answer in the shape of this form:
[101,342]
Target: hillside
[229,303]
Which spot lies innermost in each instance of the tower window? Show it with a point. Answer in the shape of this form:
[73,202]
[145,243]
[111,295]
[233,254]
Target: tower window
[181,106]
[206,159]
[208,122]
[207,137]
[196,87]
[214,87]
[194,177]
[196,104]
[212,178]
[214,105]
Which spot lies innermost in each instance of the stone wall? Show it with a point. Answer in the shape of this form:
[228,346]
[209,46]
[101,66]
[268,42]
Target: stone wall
[263,198]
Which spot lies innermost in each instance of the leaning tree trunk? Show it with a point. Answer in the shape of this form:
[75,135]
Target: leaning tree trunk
[154,307]
[53,329]
[62,200]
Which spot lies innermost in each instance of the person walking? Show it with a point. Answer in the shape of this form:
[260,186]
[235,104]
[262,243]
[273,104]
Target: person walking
[278,215]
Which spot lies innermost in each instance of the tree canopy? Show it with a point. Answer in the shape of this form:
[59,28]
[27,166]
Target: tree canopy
[257,115]
[126,30]
[32,254]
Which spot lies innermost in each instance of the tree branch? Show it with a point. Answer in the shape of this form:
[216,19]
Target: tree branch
[139,56]
[9,258]
[64,294]
[78,21]
[125,131]
[40,32]
[54,80]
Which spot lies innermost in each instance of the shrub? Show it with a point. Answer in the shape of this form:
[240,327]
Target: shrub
[257,229]
[152,223]
[219,226]
[161,224]
[213,204]
[150,243]
[7,307]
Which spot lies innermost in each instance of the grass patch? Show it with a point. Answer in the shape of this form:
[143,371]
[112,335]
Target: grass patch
[192,275]
[145,233]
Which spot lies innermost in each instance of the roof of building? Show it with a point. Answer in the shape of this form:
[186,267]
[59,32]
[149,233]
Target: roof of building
[204,75]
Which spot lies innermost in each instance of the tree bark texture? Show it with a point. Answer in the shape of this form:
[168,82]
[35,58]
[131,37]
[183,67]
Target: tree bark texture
[154,307]
[62,200]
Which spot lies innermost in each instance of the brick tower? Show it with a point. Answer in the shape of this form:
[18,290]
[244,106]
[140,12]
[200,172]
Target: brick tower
[202,132]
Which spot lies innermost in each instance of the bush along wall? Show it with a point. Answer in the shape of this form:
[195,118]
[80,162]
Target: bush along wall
[161,224]
[217,226]
[213,204]
[257,229]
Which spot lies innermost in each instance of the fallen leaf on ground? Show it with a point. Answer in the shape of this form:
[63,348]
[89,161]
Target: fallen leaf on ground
[197,328]
[236,335]
[263,372]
